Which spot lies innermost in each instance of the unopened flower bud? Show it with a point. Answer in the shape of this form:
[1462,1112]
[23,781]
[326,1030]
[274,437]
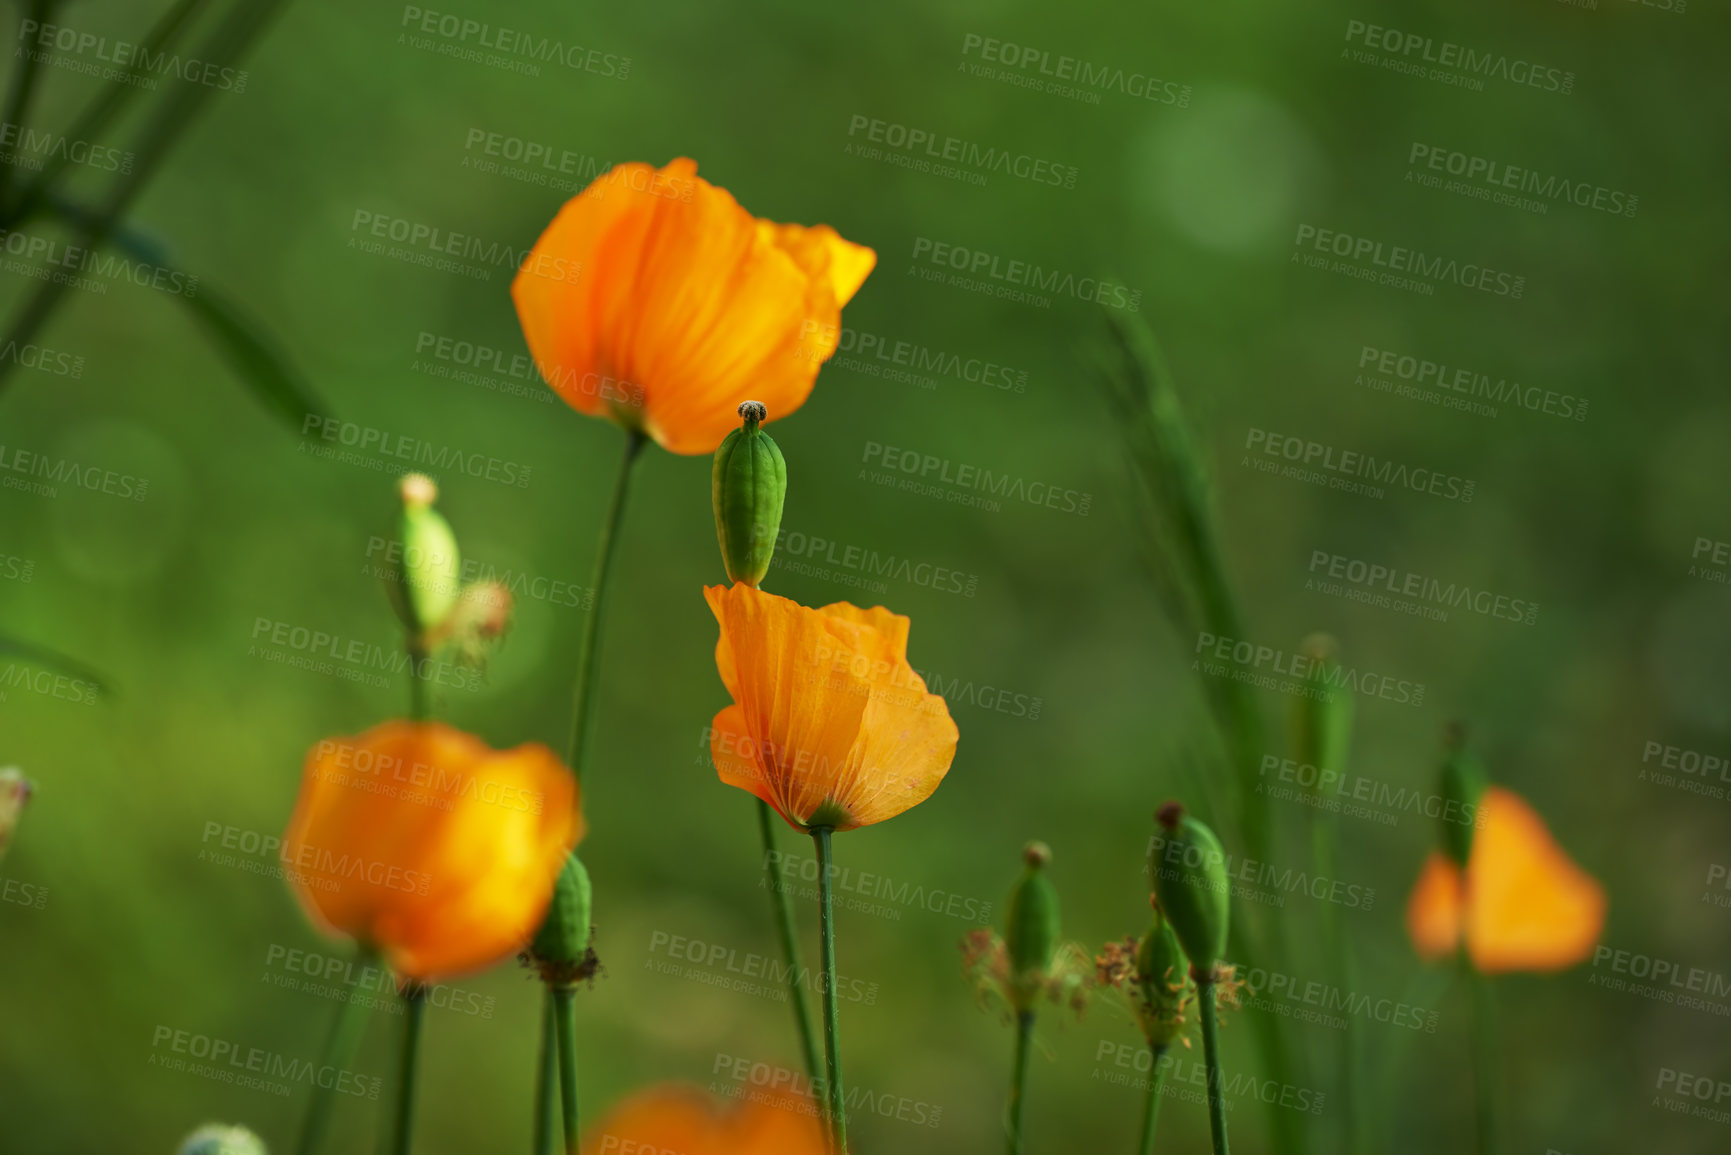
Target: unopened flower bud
[749,488]
[1461,785]
[429,578]
[561,946]
[14,793]
[1188,865]
[1031,928]
[216,1139]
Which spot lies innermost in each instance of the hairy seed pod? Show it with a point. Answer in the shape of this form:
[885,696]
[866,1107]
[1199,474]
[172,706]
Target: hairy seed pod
[1031,928]
[749,487]
[1188,866]
[430,570]
[216,1139]
[563,939]
[1163,979]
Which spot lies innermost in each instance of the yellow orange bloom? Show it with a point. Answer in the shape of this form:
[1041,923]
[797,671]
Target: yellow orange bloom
[655,299]
[423,842]
[1524,904]
[830,725]
[686,1120]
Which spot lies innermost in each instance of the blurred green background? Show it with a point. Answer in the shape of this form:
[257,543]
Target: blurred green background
[1196,205]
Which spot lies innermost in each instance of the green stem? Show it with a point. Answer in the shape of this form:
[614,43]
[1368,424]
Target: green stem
[419,710]
[782,900]
[565,1016]
[545,1072]
[1484,1053]
[108,102]
[1019,1080]
[590,646]
[408,1064]
[831,1018]
[1151,1110]
[1324,835]
[1211,1056]
[345,1037]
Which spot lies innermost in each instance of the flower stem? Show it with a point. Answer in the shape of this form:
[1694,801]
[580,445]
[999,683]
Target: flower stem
[546,1071]
[1019,1079]
[1151,1110]
[782,901]
[340,1045]
[565,1019]
[418,708]
[1211,1056]
[1324,836]
[1484,1053]
[591,643]
[409,1061]
[831,1019]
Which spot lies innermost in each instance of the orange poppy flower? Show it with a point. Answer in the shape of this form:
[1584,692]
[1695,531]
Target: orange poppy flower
[1525,905]
[426,844]
[655,299]
[830,725]
[685,1120]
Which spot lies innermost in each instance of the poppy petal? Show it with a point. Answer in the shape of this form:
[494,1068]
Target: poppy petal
[1530,908]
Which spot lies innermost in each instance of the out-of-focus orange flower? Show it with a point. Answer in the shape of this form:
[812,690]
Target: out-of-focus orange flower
[685,1120]
[655,299]
[428,845]
[1525,905]
[830,725]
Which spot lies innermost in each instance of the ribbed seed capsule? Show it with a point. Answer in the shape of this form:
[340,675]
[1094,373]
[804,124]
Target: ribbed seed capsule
[749,488]
[563,939]
[1188,866]
[216,1139]
[431,570]
[1031,928]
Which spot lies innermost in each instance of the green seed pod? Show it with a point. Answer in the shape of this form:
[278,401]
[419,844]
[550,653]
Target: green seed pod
[1461,785]
[429,572]
[216,1139]
[749,487]
[1031,928]
[1188,866]
[1163,980]
[563,939]
[1322,724]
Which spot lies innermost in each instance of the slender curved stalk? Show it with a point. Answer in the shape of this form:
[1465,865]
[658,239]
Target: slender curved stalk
[171,117]
[106,104]
[782,901]
[565,1019]
[23,86]
[590,646]
[549,1066]
[1484,1054]
[831,1018]
[1151,1109]
[408,1065]
[1019,1080]
[588,650]
[346,1030]
[1211,1056]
